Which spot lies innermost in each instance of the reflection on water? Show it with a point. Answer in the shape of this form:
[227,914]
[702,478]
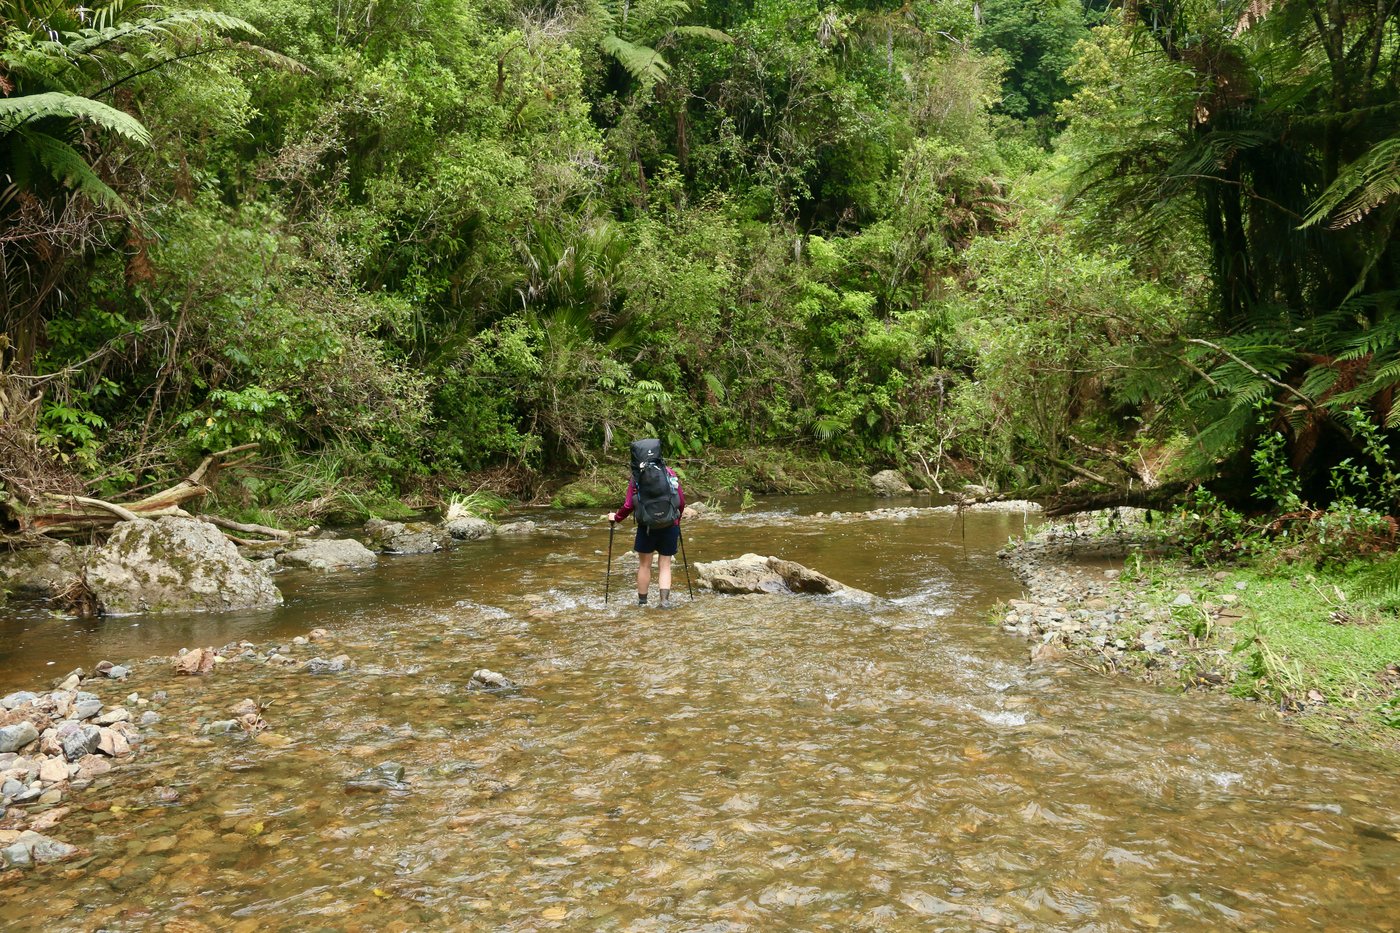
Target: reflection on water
[739,763]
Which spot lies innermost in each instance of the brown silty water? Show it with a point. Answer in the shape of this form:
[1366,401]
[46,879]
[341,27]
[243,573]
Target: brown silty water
[734,763]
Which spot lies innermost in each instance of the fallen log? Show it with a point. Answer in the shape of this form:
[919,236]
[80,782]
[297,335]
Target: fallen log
[1140,497]
[52,514]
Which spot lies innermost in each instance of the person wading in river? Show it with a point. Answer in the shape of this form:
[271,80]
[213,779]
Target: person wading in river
[654,493]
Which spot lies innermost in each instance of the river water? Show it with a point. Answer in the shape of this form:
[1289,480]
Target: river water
[734,763]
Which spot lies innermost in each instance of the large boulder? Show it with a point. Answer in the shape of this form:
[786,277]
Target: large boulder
[753,573]
[329,554]
[47,569]
[890,483]
[410,538]
[175,564]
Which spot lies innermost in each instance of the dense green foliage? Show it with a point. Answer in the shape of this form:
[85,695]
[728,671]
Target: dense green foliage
[1026,241]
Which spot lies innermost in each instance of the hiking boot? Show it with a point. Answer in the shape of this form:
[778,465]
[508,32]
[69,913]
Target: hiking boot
[665,599]
[641,599]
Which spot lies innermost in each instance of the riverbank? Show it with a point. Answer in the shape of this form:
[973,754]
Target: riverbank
[1314,647]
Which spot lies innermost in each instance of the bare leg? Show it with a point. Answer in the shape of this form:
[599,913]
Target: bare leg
[644,573]
[665,563]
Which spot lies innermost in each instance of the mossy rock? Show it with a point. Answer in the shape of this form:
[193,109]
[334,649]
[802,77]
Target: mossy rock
[596,490]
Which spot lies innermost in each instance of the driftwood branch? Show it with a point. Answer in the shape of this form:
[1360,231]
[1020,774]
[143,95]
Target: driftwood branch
[59,515]
[112,507]
[265,530]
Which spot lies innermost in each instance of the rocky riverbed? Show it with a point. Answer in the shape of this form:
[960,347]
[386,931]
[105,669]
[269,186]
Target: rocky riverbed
[63,748]
[1080,606]
[483,744]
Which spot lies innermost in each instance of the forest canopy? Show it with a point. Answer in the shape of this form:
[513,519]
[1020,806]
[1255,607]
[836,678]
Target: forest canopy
[1020,242]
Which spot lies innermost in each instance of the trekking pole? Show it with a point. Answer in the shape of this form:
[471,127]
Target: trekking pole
[607,582]
[685,560]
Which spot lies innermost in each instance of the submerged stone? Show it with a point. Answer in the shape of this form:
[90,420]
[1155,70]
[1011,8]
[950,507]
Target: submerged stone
[323,666]
[387,776]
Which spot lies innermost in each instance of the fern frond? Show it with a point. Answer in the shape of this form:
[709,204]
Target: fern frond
[70,169]
[642,62]
[1362,186]
[17,111]
[90,41]
[716,387]
[704,32]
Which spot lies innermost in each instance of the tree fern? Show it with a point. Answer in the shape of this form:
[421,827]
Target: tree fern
[68,167]
[637,31]
[91,41]
[643,63]
[16,112]
[1361,188]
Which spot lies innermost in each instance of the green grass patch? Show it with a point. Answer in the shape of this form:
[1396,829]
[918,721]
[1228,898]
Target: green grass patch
[1319,630]
[1319,641]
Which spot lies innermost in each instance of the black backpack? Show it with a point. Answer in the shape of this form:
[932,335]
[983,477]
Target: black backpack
[658,498]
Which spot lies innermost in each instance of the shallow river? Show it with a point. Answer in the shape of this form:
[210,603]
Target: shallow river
[735,763]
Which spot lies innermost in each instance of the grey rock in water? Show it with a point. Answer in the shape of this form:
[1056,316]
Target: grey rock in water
[220,727]
[890,483]
[387,776]
[175,564]
[44,570]
[33,847]
[329,555]
[322,666]
[517,528]
[411,538]
[468,528]
[16,736]
[16,855]
[489,680]
[118,672]
[150,718]
[18,699]
[80,741]
[46,850]
[754,573]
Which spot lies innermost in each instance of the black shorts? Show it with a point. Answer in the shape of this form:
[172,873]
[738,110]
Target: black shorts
[663,540]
